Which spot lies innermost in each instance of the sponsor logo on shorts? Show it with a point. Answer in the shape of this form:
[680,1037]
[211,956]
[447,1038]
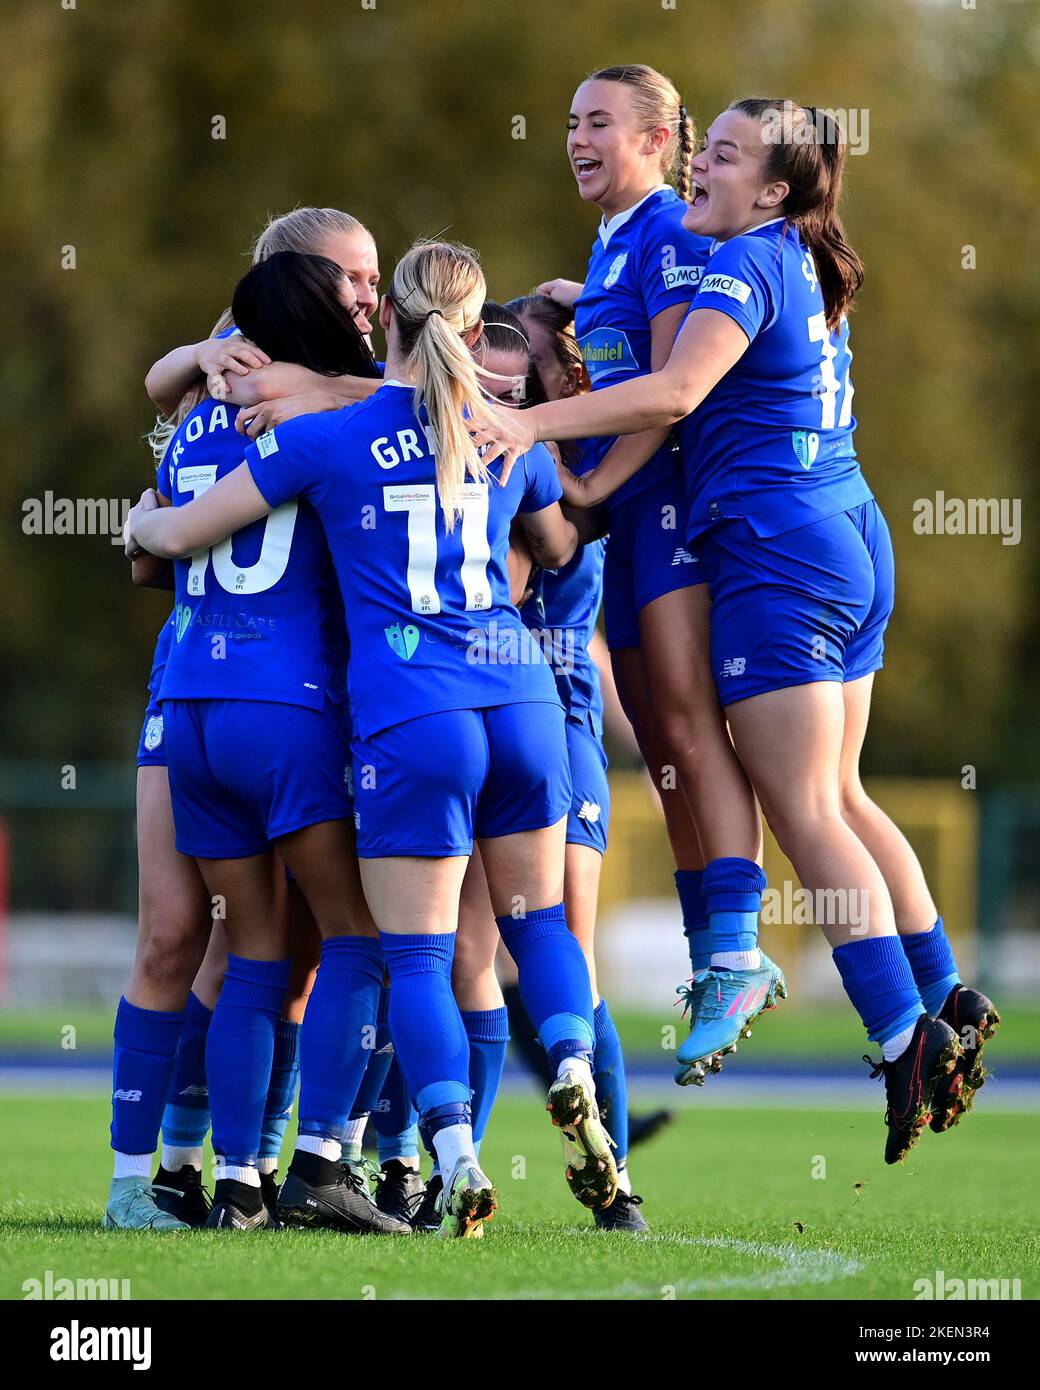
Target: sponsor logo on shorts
[126,1095]
[153,732]
[734,666]
[682,275]
[402,641]
[194,1091]
[590,811]
[617,265]
[682,557]
[727,285]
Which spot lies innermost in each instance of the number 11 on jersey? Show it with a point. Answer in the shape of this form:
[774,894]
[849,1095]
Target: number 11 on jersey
[420,502]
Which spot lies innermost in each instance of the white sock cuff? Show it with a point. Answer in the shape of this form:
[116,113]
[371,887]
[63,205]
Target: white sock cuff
[174,1158]
[132,1165]
[895,1047]
[331,1149]
[737,960]
[230,1172]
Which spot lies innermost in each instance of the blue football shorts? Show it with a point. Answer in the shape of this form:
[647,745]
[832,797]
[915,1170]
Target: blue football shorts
[151,746]
[809,605]
[588,819]
[646,557]
[429,786]
[245,772]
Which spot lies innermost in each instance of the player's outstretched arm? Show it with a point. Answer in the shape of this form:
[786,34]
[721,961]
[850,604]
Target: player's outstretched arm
[708,345]
[282,379]
[173,532]
[628,454]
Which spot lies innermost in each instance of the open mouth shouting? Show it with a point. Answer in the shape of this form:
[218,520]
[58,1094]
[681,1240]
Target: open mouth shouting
[584,169]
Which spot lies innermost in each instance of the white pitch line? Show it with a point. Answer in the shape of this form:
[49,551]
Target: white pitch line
[798,1265]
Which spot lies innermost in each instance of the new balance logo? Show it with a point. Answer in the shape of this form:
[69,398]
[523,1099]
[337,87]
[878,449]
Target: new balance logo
[734,666]
[126,1095]
[589,811]
[682,556]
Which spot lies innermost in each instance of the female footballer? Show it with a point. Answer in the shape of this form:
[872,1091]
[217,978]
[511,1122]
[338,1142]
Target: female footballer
[459,732]
[800,573]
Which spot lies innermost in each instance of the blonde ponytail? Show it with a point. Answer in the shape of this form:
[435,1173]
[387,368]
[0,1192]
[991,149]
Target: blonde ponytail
[437,292]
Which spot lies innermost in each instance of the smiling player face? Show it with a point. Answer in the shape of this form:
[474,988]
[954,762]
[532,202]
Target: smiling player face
[355,253]
[613,161]
[728,189]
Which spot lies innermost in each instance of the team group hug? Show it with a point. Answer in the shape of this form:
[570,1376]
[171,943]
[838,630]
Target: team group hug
[372,765]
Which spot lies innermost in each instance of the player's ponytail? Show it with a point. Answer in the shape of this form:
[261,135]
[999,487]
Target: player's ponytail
[806,149]
[656,102]
[437,293]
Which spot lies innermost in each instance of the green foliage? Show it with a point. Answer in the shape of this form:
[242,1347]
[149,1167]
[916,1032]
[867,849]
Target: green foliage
[404,115]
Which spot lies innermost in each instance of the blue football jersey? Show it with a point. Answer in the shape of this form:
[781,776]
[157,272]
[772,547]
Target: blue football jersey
[773,441]
[562,613]
[250,619]
[643,261]
[159,658]
[429,619]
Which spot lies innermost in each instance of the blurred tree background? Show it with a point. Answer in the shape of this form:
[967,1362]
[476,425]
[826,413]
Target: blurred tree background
[405,113]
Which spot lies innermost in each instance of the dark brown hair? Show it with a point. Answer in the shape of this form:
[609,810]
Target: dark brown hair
[806,149]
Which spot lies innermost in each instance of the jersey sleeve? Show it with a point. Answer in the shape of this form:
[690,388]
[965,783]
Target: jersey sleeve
[743,280]
[672,261]
[163,481]
[542,483]
[292,460]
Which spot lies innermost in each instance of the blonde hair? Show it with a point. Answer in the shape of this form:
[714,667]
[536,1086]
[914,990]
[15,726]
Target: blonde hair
[656,102]
[303,230]
[437,293]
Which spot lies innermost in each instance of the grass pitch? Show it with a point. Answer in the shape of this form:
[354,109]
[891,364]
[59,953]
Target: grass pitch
[777,1204]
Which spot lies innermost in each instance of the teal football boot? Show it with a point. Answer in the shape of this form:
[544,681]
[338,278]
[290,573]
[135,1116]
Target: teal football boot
[131,1207]
[722,1005]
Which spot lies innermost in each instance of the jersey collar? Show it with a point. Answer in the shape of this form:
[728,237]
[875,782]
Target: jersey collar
[608,228]
[748,231]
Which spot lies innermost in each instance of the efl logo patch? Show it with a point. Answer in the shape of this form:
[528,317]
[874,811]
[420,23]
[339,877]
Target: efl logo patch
[682,275]
[727,285]
[267,444]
